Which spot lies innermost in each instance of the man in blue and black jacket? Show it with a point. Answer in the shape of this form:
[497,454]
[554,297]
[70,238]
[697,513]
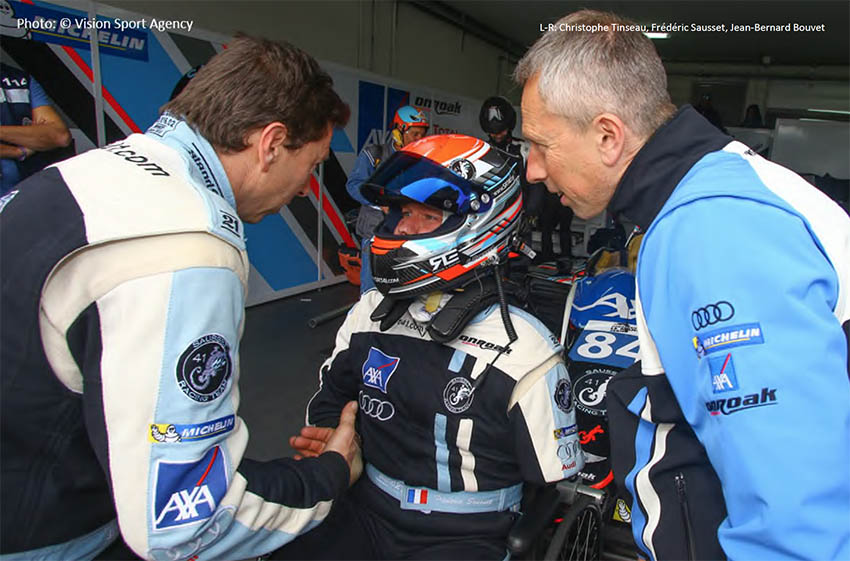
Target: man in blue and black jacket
[742,308]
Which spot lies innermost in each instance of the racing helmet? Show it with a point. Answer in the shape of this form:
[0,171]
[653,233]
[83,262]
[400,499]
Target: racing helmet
[497,115]
[409,116]
[475,184]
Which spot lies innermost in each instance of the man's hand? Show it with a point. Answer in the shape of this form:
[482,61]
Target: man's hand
[343,439]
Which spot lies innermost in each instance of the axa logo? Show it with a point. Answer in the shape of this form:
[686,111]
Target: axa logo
[186,505]
[188,492]
[729,405]
[621,306]
[378,369]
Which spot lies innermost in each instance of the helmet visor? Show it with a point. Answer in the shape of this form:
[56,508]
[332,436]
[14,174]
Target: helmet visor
[413,177]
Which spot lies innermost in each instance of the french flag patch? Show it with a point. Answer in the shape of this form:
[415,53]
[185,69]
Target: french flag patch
[417,496]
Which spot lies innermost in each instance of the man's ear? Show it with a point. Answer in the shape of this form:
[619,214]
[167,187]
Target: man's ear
[610,133]
[271,143]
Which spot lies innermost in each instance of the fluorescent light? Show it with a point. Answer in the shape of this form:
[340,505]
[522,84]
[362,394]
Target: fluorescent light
[830,111]
[657,35]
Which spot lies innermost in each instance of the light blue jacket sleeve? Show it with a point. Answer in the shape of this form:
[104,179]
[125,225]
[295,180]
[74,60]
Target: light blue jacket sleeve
[363,168]
[740,298]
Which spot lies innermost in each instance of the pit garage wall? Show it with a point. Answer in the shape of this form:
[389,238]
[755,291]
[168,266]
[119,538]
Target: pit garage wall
[290,252]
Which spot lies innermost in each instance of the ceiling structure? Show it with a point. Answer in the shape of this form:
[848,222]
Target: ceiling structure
[516,25]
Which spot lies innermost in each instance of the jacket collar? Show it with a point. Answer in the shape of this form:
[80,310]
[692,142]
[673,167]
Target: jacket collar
[661,163]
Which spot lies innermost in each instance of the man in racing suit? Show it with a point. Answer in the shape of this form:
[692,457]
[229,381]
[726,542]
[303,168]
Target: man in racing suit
[452,425]
[409,125]
[124,280]
[733,434]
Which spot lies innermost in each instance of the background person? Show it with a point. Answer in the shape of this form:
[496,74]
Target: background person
[742,307]
[409,125]
[124,275]
[452,422]
[28,126]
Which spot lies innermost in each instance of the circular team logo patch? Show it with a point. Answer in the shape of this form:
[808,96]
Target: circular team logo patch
[458,395]
[463,168]
[563,396]
[204,368]
[590,391]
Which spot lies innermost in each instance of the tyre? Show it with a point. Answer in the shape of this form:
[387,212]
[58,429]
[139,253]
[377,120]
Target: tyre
[578,536]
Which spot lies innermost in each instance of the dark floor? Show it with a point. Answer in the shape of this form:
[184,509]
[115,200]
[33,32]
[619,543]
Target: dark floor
[280,358]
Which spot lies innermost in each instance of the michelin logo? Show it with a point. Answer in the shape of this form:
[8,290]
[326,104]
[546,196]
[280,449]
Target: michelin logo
[728,338]
[170,433]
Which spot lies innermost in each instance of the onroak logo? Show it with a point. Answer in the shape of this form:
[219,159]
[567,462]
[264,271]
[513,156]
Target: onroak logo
[729,405]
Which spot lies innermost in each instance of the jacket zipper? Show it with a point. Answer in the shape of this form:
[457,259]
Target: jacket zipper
[681,490]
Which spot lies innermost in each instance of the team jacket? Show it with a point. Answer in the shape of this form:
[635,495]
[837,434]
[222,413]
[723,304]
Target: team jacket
[124,278]
[417,418]
[739,414]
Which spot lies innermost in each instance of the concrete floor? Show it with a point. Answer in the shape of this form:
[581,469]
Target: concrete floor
[280,358]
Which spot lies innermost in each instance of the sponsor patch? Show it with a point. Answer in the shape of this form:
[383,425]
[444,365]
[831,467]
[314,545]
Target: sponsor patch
[734,404]
[588,436]
[463,168]
[169,432]
[482,344]
[723,377]
[378,369]
[563,396]
[730,337]
[457,396]
[188,492]
[590,391]
[711,314]
[165,124]
[204,368]
[569,451]
[564,432]
[375,408]
[622,513]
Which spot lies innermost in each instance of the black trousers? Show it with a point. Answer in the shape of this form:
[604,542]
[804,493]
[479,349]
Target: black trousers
[368,524]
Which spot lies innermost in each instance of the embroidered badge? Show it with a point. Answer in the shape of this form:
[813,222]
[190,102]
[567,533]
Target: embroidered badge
[204,368]
[458,395]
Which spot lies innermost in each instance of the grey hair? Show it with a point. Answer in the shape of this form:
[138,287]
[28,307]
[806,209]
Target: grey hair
[584,73]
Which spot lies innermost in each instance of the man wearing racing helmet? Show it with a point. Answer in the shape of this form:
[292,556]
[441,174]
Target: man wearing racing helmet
[409,124]
[462,398]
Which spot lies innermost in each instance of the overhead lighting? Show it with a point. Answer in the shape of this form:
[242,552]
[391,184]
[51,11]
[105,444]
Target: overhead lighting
[830,111]
[656,35]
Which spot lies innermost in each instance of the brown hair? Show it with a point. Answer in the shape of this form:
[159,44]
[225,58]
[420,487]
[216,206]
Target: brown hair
[254,82]
[593,62]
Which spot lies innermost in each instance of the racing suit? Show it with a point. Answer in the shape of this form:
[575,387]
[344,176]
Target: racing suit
[124,280]
[20,95]
[369,216]
[444,466]
[733,434]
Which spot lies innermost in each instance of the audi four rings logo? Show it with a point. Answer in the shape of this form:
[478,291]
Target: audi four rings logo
[376,408]
[711,314]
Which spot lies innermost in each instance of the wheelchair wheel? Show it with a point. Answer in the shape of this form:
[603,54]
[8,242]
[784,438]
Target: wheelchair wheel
[579,535]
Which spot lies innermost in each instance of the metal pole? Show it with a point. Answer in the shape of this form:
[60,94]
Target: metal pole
[97,82]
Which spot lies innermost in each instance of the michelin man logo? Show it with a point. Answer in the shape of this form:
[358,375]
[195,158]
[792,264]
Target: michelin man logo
[170,434]
[9,23]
